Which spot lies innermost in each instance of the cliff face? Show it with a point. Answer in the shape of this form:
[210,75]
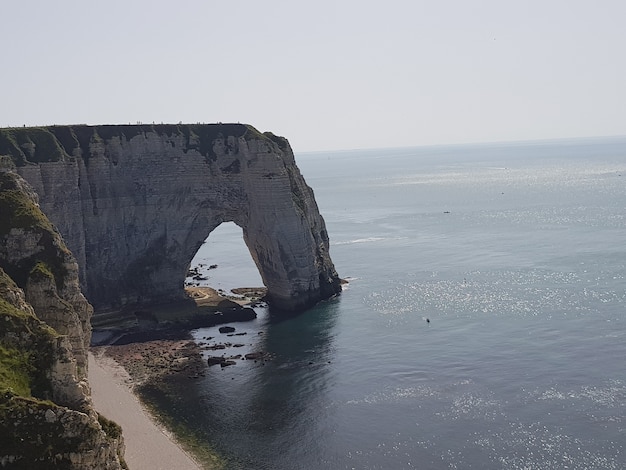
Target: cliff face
[134,204]
[46,416]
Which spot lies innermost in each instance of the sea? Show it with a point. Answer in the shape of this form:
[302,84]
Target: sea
[483,325]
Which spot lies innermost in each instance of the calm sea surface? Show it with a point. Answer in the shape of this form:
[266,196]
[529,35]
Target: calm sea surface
[515,253]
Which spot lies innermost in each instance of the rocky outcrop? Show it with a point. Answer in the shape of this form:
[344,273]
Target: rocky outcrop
[134,204]
[46,416]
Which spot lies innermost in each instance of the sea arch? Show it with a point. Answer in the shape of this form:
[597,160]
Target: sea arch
[224,261]
[134,204]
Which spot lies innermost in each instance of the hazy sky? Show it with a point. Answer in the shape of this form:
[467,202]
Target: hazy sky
[325,74]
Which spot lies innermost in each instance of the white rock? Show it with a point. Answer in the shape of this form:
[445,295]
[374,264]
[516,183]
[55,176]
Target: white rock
[139,203]
[50,416]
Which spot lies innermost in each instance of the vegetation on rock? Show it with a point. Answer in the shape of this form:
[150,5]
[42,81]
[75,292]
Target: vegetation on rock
[27,145]
[31,145]
[21,213]
[26,346]
[35,432]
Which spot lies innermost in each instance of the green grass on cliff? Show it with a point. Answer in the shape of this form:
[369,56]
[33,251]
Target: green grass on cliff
[113,431]
[25,145]
[13,320]
[26,358]
[41,271]
[26,342]
[25,351]
[20,212]
[282,143]
[15,371]
[17,210]
[31,144]
[27,346]
[111,428]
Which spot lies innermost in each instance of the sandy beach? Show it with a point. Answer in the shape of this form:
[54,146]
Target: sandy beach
[148,446]
[115,370]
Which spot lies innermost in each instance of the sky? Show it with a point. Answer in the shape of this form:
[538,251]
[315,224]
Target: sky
[327,75]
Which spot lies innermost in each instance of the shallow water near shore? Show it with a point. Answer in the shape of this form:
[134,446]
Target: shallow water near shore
[513,252]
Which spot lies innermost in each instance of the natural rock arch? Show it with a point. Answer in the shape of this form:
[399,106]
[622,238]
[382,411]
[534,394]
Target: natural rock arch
[134,204]
[224,261]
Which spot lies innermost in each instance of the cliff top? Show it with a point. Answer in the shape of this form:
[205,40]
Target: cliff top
[27,145]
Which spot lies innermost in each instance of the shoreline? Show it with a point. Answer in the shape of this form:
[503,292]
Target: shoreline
[148,444]
[156,361]
[149,358]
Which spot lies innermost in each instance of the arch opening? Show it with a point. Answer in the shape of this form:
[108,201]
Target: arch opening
[223,261]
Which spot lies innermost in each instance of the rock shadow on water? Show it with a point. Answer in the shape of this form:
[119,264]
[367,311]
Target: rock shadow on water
[246,412]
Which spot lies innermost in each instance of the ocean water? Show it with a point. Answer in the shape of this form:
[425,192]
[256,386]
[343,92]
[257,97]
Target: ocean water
[516,255]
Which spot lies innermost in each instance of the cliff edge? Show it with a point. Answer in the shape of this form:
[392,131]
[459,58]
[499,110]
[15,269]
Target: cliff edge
[134,204]
[46,416]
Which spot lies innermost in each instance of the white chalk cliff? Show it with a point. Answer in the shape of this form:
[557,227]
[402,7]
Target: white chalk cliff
[134,204]
[47,419]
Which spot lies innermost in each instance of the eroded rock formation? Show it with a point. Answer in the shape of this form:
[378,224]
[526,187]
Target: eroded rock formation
[134,204]
[46,415]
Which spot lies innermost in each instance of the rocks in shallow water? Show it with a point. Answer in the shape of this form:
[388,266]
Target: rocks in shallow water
[226,329]
[254,355]
[225,361]
[214,360]
[222,361]
[193,272]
